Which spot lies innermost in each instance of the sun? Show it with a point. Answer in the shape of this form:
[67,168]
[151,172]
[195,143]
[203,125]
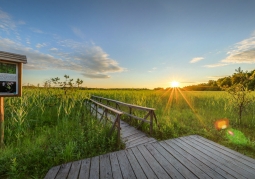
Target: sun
[175,84]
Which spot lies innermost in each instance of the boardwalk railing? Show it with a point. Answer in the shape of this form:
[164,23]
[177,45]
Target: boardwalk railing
[150,111]
[106,110]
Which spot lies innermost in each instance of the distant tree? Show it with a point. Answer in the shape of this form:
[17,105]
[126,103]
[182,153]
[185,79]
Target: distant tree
[158,88]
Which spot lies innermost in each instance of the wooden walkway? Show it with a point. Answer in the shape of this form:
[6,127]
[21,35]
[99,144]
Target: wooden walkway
[184,157]
[129,134]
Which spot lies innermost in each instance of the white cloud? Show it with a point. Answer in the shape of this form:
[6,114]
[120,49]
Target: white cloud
[40,45]
[93,62]
[215,65]
[78,32]
[54,49]
[196,59]
[6,22]
[242,52]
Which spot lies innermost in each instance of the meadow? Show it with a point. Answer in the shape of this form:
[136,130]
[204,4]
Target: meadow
[45,127]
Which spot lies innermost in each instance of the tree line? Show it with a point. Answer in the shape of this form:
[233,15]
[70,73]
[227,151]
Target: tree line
[247,79]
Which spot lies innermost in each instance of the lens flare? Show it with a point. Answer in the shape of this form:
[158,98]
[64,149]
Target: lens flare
[221,124]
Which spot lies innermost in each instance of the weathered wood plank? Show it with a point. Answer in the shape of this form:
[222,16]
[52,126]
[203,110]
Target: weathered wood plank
[148,140]
[237,166]
[215,164]
[156,167]
[75,169]
[174,160]
[126,169]
[129,134]
[216,160]
[143,163]
[63,171]
[52,172]
[94,168]
[105,167]
[85,168]
[116,172]
[231,153]
[135,165]
[196,161]
[133,137]
[169,168]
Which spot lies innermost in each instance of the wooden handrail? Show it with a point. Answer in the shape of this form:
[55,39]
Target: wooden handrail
[150,114]
[125,104]
[107,107]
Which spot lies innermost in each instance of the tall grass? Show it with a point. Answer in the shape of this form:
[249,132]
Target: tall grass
[45,128]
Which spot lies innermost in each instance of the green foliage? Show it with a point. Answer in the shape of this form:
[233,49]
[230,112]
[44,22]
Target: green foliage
[247,79]
[44,128]
[240,98]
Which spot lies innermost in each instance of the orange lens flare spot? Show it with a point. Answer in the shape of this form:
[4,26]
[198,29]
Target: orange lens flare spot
[221,124]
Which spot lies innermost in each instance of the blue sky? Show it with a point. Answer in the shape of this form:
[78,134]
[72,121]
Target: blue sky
[129,43]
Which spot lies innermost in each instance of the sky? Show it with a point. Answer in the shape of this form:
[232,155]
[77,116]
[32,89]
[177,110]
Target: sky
[129,43]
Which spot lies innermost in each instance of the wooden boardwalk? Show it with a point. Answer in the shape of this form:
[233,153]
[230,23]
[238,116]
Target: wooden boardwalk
[184,157]
[129,134]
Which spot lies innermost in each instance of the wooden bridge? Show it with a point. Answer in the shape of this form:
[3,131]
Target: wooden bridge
[145,157]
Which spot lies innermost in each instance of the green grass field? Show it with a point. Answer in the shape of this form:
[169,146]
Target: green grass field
[45,128]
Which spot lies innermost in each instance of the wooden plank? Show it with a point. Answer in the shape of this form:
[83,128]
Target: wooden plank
[52,172]
[126,169]
[134,137]
[169,168]
[174,160]
[129,134]
[116,172]
[205,159]
[143,163]
[63,171]
[156,167]
[75,169]
[94,168]
[85,168]
[237,166]
[242,158]
[105,167]
[196,161]
[135,165]
[136,143]
[235,169]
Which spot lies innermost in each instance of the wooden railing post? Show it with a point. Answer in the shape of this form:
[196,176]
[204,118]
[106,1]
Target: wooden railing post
[151,122]
[118,130]
[96,110]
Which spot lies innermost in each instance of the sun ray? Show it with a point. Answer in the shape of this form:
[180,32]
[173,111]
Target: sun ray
[194,111]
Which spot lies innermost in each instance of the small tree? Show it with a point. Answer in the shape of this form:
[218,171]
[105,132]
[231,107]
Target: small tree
[240,99]
[79,82]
